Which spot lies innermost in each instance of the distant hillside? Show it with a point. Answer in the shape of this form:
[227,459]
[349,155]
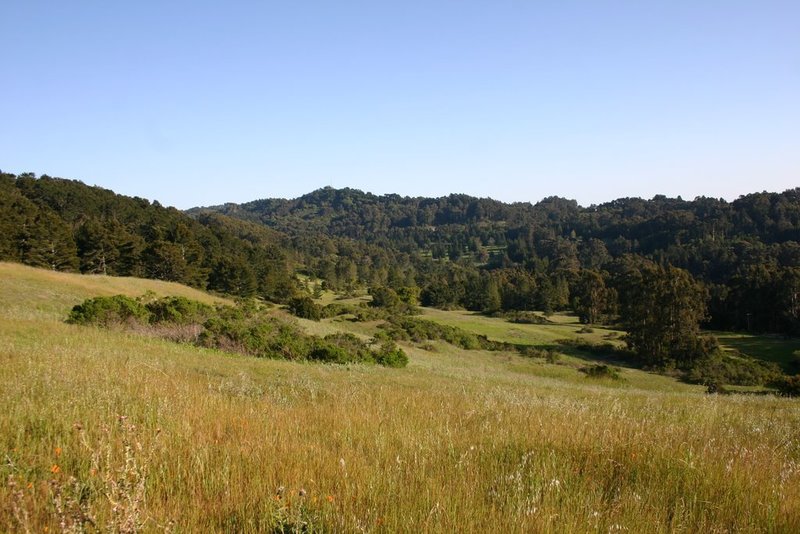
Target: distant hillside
[463,250]
[644,225]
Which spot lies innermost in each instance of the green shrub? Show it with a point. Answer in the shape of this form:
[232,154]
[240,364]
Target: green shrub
[335,309]
[245,328]
[305,308]
[362,314]
[526,317]
[384,297]
[289,342]
[324,351]
[178,310]
[601,371]
[357,350]
[106,311]
[390,355]
[419,330]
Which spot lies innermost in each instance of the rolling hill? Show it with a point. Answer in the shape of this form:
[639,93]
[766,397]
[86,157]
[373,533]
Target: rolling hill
[131,431]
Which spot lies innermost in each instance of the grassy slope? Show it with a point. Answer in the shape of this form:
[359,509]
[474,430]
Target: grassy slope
[458,441]
[37,293]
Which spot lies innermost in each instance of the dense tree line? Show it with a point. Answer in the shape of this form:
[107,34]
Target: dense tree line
[66,225]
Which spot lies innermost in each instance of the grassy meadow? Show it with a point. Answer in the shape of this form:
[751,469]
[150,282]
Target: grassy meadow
[105,428]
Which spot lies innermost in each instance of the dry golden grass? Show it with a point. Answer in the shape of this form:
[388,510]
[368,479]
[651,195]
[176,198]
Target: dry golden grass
[163,436]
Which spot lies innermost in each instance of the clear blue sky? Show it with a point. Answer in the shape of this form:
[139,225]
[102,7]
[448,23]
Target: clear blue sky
[198,103]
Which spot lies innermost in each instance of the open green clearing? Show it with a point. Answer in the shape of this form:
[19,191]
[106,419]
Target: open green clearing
[563,327]
[771,348]
[199,440]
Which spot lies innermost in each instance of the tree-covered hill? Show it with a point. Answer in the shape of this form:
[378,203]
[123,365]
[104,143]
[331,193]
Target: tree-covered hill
[483,254]
[69,226]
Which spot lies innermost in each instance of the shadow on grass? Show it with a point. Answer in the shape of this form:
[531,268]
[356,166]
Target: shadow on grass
[605,353]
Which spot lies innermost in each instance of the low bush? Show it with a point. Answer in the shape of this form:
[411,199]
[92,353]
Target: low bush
[107,311]
[390,355]
[335,309]
[602,371]
[420,330]
[246,328]
[354,349]
[527,317]
[305,308]
[178,310]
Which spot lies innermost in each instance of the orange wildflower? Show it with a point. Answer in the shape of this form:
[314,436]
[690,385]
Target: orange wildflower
[55,469]
[330,498]
[58,451]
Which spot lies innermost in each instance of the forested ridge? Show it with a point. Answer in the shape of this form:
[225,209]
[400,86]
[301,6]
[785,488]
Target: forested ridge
[487,255]
[658,268]
[68,226]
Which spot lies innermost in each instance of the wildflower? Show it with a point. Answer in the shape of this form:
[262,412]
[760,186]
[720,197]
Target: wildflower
[58,451]
[30,485]
[55,469]
[330,498]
